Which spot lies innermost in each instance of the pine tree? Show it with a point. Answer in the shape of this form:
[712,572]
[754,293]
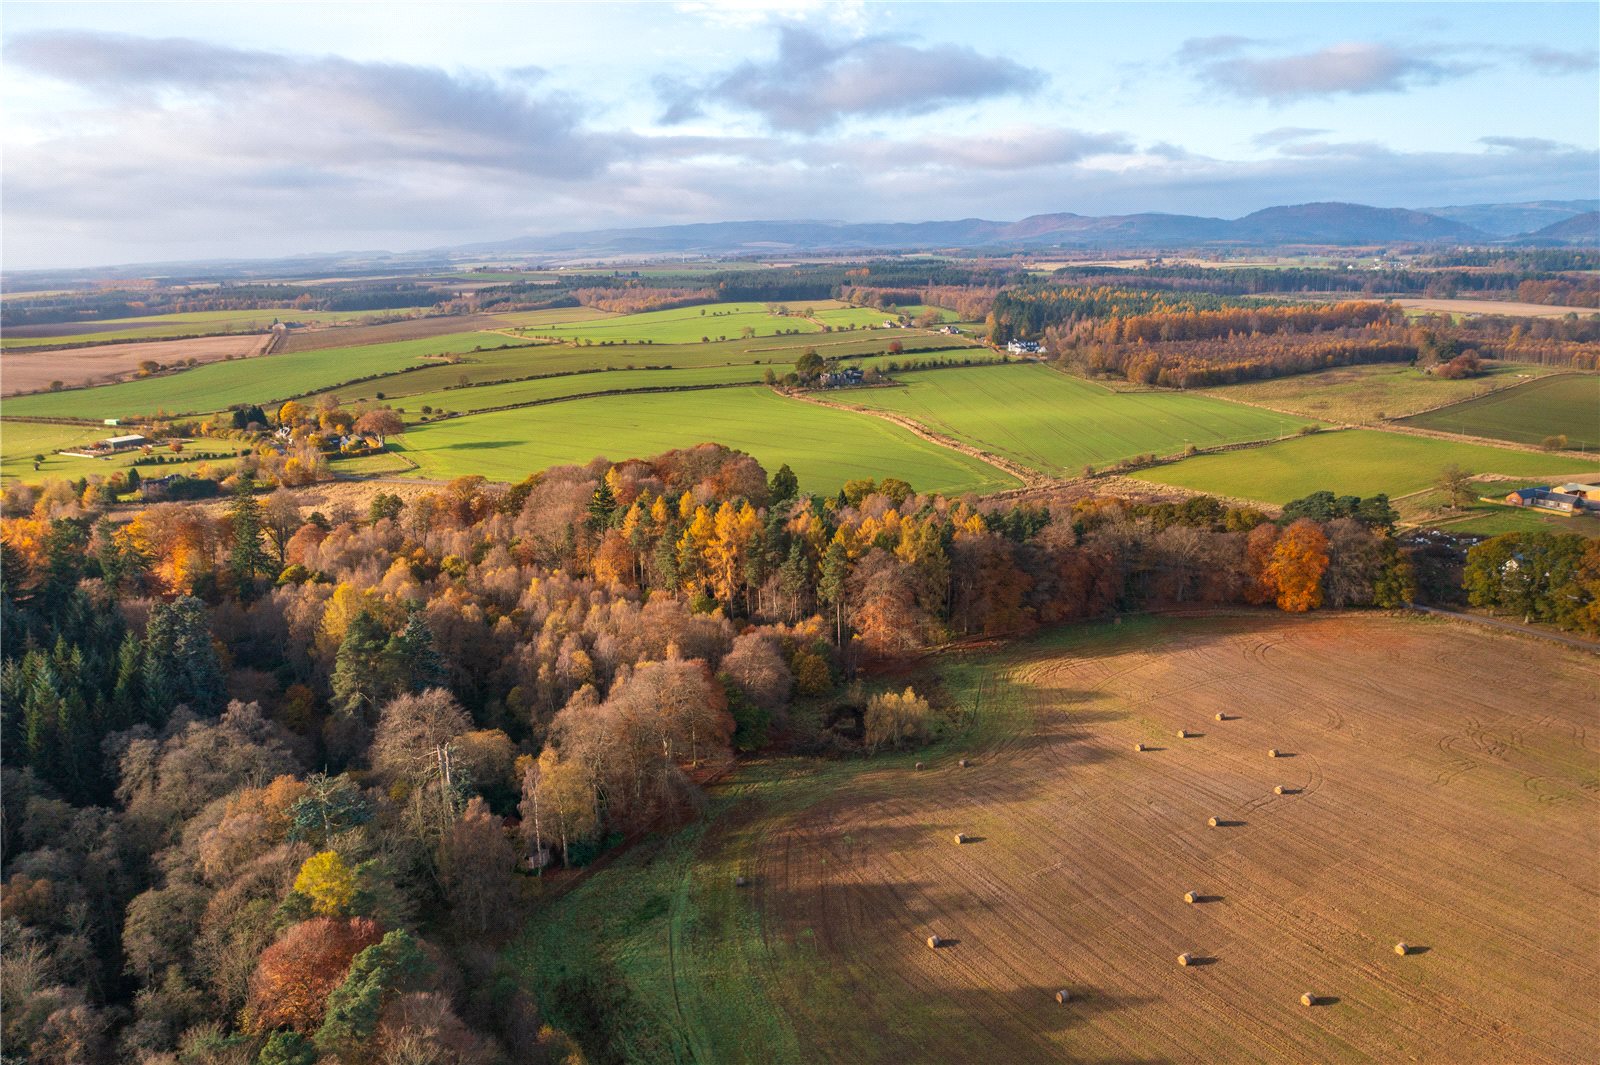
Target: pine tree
[784,485]
[247,558]
[831,586]
[361,678]
[180,664]
[415,663]
[602,505]
[127,692]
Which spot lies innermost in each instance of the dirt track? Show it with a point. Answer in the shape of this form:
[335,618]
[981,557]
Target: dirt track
[1446,791]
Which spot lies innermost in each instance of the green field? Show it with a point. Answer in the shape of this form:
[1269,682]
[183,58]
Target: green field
[683,325]
[483,397]
[1059,424]
[857,317]
[778,352]
[192,323]
[265,378]
[20,441]
[1365,395]
[825,447]
[1359,462]
[558,316]
[1567,404]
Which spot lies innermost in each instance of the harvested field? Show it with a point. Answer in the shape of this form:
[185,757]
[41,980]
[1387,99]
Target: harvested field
[1518,310]
[390,332]
[32,371]
[1463,824]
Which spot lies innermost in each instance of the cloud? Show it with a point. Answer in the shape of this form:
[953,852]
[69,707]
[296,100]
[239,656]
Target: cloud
[1212,47]
[1560,61]
[1285,134]
[1525,144]
[813,83]
[1353,67]
[747,14]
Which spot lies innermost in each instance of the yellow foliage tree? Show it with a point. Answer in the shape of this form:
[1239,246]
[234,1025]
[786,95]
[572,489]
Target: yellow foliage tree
[328,882]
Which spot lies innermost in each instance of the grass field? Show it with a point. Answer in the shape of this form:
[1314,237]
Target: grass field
[1464,826]
[483,397]
[188,323]
[778,352]
[259,380]
[1359,462]
[560,315]
[684,325]
[1368,394]
[859,317]
[20,441]
[824,447]
[1568,404]
[1058,424]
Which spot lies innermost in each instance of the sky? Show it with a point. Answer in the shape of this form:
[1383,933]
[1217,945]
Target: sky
[148,132]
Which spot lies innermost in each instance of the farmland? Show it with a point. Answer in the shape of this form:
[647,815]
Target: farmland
[1058,424]
[1458,307]
[189,323]
[1369,394]
[1567,404]
[33,371]
[824,447]
[1462,825]
[274,377]
[20,441]
[684,325]
[1357,462]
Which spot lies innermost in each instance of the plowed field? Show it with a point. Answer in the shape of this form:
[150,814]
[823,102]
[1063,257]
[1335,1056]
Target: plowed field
[1442,788]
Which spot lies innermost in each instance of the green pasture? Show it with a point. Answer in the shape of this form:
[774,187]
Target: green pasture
[262,379]
[825,447]
[853,317]
[557,316]
[483,397]
[1369,394]
[684,325]
[780,353]
[20,441]
[1359,462]
[1058,424]
[192,323]
[1566,404]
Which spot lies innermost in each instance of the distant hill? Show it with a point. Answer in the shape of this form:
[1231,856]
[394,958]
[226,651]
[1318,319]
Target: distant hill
[1514,219]
[1582,230]
[1311,223]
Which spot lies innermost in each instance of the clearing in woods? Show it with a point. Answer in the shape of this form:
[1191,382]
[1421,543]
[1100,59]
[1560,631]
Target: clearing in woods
[1057,424]
[1359,462]
[1463,823]
[1567,404]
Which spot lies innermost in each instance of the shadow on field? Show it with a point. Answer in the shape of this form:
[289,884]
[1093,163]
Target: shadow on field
[1231,824]
[1037,1011]
[478,445]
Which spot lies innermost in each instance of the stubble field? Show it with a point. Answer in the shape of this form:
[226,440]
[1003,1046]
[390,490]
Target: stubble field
[1427,800]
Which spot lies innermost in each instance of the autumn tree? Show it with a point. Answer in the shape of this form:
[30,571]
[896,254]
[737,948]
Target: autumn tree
[382,423]
[476,866]
[1456,483]
[328,882]
[1299,559]
[897,719]
[295,976]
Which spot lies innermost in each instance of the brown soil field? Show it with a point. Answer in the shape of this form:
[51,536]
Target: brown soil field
[1519,310]
[29,371]
[1443,790]
[411,329]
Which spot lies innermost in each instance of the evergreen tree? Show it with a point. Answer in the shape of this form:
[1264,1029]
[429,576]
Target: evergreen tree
[361,676]
[180,664]
[356,1005]
[602,506]
[247,557]
[127,693]
[415,663]
[784,485]
[831,586]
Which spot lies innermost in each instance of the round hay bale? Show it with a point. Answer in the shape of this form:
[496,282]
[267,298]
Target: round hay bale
[919,767]
[1402,948]
[1190,897]
[1183,734]
[1222,717]
[1063,996]
[934,942]
[1185,958]
[1308,999]
[1278,790]
[962,763]
[740,881]
[961,837]
[1138,747]
[1272,752]
[1213,822]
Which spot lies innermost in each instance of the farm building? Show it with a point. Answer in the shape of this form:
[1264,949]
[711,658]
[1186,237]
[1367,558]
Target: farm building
[1568,499]
[1023,347]
[845,378]
[122,443]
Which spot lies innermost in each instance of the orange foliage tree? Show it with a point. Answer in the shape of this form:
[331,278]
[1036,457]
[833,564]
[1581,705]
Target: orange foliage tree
[295,975]
[1298,560]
